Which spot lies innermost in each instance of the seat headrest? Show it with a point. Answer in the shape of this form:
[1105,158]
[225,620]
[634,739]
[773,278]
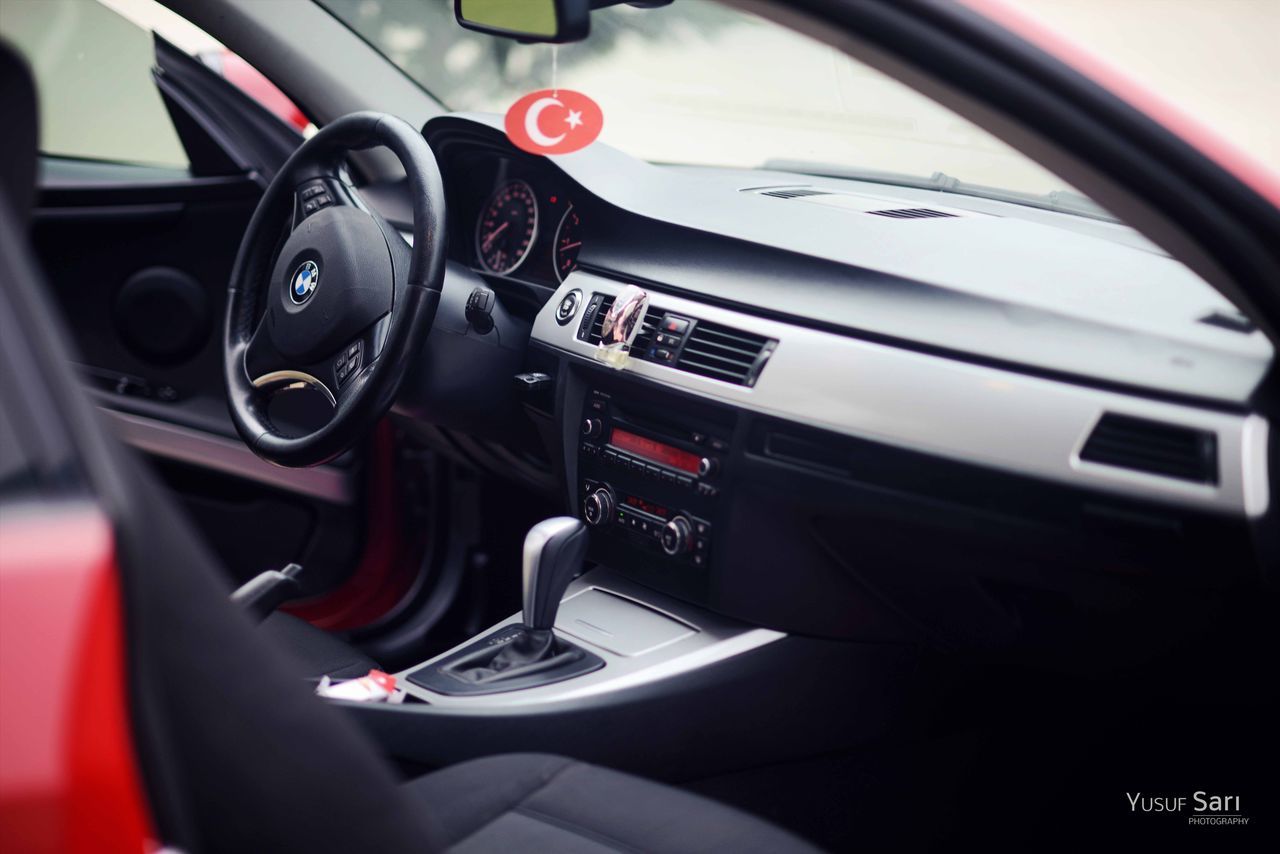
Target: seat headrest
[20,139]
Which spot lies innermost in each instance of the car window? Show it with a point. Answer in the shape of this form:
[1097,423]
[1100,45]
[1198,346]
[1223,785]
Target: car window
[93,62]
[93,74]
[703,83]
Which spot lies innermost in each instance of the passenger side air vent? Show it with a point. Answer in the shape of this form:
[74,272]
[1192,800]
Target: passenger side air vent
[724,354]
[1153,447]
[913,213]
[794,193]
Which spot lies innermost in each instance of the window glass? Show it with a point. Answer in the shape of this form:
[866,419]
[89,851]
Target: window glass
[703,83]
[93,72]
[93,60]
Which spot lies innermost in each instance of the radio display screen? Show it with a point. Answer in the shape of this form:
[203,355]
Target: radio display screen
[654,451]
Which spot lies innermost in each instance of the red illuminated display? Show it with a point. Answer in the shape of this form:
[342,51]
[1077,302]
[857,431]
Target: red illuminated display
[655,451]
[646,506]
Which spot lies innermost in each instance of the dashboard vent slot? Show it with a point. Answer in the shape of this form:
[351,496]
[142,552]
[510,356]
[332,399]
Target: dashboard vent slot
[913,213]
[643,338]
[726,354]
[1232,320]
[1153,447]
[794,193]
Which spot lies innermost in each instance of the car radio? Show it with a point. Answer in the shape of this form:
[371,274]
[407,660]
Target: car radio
[649,481]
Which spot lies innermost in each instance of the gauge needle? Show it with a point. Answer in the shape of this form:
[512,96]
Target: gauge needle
[569,246]
[493,234]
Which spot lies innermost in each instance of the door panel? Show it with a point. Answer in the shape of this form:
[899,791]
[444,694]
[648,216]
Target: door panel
[132,253]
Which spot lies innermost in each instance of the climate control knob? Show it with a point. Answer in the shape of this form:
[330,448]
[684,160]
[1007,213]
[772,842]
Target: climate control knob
[677,536]
[597,509]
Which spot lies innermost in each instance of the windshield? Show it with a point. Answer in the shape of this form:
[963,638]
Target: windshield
[701,83]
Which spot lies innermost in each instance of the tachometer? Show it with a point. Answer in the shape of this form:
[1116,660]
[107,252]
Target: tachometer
[568,242]
[507,228]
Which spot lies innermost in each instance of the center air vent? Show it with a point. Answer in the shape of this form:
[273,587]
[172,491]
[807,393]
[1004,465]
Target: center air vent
[688,344]
[643,338]
[913,213]
[724,354]
[1153,447]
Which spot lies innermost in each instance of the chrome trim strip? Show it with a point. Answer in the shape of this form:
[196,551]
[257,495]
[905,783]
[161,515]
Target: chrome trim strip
[967,412]
[211,451]
[290,378]
[714,639]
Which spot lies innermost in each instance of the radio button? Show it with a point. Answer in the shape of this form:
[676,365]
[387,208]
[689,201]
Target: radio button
[592,428]
[707,467]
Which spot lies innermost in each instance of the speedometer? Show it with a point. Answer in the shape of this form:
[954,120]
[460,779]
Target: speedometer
[507,227]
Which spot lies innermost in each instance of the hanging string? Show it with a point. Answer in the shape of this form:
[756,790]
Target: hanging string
[555,88]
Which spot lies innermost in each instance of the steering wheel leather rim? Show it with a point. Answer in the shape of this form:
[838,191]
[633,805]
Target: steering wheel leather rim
[415,296]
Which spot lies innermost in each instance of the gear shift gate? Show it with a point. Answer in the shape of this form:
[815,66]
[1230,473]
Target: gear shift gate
[529,654]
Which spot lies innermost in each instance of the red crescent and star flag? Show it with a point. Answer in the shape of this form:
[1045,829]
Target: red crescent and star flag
[554,121]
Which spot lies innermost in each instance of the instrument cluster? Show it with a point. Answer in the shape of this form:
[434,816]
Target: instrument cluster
[525,224]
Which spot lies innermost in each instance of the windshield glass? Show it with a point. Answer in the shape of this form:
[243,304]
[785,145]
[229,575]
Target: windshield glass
[701,83]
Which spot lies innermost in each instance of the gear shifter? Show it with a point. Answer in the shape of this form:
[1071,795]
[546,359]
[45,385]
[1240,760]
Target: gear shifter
[528,654]
[553,554]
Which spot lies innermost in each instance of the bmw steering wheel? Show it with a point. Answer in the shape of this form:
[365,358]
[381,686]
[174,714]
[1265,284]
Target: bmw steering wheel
[344,304]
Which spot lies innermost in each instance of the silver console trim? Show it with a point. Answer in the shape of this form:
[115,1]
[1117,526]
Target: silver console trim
[208,450]
[714,639]
[972,413]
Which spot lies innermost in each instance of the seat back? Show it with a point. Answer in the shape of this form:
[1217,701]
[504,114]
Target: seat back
[236,753]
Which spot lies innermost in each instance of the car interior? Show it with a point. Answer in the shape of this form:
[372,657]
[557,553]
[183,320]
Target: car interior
[913,504]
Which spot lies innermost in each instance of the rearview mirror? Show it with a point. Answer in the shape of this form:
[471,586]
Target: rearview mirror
[527,20]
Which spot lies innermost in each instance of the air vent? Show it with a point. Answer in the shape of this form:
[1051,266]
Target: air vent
[1153,447]
[913,213]
[794,193]
[643,339]
[1232,320]
[724,354]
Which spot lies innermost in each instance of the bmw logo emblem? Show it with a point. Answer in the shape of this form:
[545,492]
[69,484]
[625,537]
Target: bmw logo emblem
[304,281]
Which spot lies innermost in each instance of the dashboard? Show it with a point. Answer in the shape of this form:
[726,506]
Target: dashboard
[843,422]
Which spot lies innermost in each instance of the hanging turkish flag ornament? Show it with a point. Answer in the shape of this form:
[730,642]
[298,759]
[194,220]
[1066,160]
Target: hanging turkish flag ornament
[554,121]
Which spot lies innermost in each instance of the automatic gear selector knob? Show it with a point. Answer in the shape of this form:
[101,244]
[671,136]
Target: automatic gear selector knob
[553,553]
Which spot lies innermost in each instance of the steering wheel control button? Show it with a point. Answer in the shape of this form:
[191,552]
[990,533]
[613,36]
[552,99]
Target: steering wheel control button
[348,362]
[304,281]
[568,307]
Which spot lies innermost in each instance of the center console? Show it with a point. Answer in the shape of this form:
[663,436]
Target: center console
[650,481]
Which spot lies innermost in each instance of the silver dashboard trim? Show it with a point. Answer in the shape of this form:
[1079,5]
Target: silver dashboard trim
[962,411]
[211,451]
[713,639]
